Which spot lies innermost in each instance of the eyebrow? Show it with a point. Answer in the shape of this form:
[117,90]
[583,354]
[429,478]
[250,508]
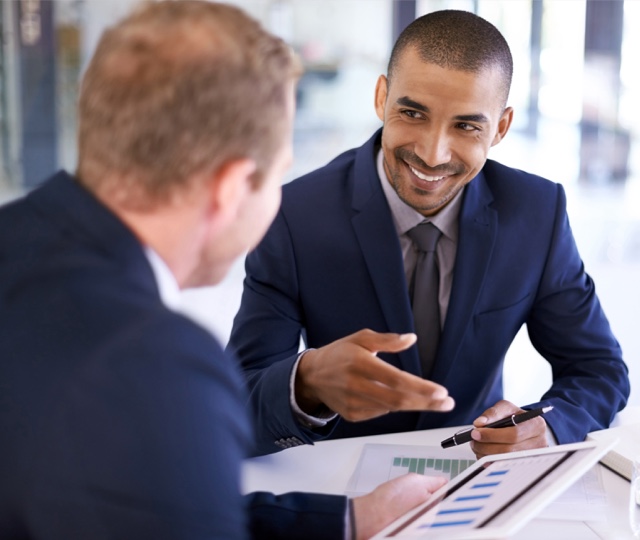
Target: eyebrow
[406,101]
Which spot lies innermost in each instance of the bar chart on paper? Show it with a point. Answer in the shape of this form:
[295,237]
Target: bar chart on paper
[381,462]
[430,466]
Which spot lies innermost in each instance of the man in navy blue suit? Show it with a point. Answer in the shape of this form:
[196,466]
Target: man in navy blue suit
[337,265]
[119,417]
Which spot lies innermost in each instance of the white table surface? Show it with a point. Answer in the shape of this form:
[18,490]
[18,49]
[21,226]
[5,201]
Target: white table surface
[327,466]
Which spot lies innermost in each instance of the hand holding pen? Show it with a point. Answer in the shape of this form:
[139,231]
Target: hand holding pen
[530,432]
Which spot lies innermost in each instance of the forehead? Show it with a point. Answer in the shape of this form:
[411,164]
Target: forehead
[419,80]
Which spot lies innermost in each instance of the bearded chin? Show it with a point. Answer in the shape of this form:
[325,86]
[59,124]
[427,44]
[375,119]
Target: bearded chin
[405,195]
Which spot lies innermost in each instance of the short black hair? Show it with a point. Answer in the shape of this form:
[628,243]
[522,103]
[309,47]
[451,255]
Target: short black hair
[457,40]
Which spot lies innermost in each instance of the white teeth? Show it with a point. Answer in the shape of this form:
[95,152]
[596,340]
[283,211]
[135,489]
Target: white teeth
[425,177]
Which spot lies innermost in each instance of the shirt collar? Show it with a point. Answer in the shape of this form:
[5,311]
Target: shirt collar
[167,284]
[406,218]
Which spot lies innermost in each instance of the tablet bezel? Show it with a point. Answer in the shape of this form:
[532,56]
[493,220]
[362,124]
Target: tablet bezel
[536,499]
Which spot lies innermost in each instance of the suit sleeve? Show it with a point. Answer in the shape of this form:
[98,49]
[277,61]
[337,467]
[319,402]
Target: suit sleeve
[297,515]
[569,328]
[266,338]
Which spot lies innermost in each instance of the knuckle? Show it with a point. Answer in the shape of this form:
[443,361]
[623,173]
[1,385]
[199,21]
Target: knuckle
[401,401]
[348,415]
[351,408]
[365,333]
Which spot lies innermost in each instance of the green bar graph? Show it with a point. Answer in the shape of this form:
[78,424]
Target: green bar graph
[427,466]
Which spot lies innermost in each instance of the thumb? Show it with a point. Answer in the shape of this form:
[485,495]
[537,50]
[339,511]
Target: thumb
[502,409]
[377,342]
[391,500]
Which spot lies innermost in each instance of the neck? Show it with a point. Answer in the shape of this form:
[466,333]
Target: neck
[173,231]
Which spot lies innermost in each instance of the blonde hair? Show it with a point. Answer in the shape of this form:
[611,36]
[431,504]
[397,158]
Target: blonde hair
[176,89]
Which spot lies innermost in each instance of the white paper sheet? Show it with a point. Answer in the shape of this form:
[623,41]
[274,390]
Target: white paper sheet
[379,463]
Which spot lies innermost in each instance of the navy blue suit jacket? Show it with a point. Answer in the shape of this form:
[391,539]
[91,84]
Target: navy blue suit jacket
[331,265]
[119,418]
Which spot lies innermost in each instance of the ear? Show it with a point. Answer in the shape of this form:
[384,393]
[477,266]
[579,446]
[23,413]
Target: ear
[228,188]
[503,125]
[381,96]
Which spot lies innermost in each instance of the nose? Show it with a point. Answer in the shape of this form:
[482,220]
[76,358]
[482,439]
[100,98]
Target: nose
[434,147]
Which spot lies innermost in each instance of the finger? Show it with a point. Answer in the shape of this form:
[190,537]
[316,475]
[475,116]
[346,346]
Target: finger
[390,376]
[367,390]
[403,400]
[391,500]
[417,482]
[360,414]
[531,429]
[502,409]
[378,342]
[363,398]
[522,437]
[375,400]
[481,449]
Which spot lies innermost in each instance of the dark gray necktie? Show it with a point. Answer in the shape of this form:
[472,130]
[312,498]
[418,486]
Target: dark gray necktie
[425,285]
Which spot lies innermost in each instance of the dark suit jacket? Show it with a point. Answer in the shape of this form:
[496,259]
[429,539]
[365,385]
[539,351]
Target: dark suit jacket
[119,418]
[331,265]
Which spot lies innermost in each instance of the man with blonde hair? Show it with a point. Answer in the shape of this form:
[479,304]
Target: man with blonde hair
[119,417]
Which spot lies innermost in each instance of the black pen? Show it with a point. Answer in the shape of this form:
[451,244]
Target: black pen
[513,420]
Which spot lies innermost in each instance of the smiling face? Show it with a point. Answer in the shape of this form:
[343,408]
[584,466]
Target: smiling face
[439,124]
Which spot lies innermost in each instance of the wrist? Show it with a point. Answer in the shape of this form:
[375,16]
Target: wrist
[305,394]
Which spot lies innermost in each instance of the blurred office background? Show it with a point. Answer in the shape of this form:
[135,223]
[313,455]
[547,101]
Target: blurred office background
[576,95]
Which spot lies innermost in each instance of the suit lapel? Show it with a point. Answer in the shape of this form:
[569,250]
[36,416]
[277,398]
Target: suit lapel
[478,229]
[378,240]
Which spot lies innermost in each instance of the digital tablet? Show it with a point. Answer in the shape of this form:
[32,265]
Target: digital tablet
[499,494]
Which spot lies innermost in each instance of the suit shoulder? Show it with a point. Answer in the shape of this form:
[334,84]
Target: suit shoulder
[168,332]
[321,181]
[505,177]
[516,187]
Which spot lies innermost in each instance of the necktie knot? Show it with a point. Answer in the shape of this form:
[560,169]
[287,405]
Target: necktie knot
[425,236]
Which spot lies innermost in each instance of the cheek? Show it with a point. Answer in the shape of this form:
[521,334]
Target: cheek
[267,211]
[264,212]
[474,150]
[275,201]
[396,133]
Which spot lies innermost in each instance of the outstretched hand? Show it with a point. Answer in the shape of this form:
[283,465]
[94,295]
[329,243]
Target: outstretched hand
[524,436]
[389,501]
[347,377]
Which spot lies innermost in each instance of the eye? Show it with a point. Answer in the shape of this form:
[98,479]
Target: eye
[411,113]
[468,127]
